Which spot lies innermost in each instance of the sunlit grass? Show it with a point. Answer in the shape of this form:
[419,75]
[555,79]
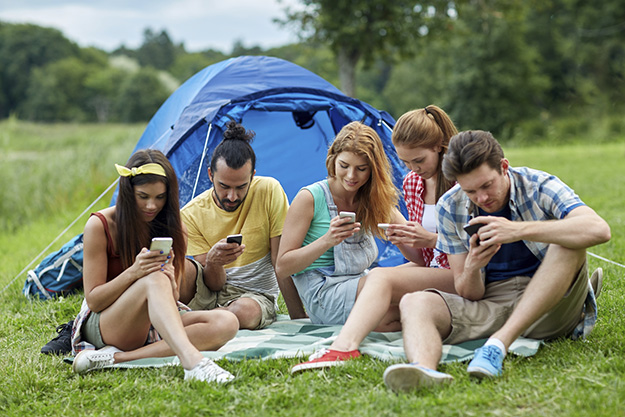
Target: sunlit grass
[50,173]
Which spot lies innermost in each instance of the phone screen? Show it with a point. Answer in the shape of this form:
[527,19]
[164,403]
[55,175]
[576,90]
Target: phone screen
[234,239]
[161,244]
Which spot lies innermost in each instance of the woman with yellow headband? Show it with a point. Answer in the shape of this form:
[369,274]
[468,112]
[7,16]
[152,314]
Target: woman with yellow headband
[130,308]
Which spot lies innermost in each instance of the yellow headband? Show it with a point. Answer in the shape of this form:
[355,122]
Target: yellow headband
[151,168]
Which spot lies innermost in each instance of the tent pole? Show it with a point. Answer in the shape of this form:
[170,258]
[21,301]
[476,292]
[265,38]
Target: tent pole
[199,169]
[386,124]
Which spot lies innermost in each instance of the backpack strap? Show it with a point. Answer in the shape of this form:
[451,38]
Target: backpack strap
[33,278]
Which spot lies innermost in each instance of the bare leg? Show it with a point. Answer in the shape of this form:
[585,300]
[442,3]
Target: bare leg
[379,294]
[126,322]
[248,312]
[207,330]
[426,320]
[188,282]
[546,288]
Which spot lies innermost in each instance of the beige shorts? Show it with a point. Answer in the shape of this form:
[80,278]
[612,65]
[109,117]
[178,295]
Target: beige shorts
[206,299]
[472,320]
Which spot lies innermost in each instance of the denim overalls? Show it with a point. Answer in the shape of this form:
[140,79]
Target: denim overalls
[329,293]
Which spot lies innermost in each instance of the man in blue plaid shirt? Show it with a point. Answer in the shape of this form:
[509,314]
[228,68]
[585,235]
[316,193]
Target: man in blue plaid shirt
[523,273]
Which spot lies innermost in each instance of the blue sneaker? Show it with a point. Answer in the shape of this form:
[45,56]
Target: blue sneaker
[410,376]
[487,362]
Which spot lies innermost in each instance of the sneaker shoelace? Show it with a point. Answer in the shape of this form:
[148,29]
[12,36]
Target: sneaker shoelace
[63,330]
[492,354]
[318,354]
[101,360]
[214,371]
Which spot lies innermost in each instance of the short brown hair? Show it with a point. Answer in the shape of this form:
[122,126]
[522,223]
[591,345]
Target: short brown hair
[470,149]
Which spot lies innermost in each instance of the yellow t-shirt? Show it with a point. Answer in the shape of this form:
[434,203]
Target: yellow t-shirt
[258,219]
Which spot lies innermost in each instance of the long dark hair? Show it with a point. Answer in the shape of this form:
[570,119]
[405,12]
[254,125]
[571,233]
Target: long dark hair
[133,235]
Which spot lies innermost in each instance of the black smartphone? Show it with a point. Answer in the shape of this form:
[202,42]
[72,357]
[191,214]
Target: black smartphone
[472,229]
[234,239]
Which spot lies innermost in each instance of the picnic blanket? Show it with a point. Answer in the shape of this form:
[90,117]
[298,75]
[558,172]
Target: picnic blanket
[299,338]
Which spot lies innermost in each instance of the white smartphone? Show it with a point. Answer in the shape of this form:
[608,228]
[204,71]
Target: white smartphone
[383,226]
[234,239]
[161,244]
[349,214]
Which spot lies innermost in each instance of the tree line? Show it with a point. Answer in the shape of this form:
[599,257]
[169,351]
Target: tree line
[490,63]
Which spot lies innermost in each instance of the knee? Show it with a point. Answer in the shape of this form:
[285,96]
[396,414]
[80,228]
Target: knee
[155,281]
[228,323]
[419,302]
[378,278]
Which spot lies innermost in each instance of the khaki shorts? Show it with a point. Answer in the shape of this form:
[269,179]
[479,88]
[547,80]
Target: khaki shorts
[480,319]
[90,330]
[206,299]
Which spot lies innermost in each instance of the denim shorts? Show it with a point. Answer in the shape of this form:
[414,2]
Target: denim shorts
[327,299]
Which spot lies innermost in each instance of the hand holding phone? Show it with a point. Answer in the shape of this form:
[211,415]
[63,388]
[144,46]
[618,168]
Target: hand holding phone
[472,229]
[383,226]
[234,239]
[162,244]
[349,214]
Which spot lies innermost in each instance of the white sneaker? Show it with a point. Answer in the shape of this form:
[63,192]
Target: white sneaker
[89,360]
[410,376]
[208,371]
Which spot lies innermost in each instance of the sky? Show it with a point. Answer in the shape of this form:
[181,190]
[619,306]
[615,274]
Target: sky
[199,24]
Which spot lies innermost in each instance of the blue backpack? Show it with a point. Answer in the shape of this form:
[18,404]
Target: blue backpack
[60,273]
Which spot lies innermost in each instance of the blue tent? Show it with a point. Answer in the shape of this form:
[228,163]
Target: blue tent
[294,113]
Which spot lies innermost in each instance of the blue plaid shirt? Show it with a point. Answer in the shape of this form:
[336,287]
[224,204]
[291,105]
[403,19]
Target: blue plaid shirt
[534,196]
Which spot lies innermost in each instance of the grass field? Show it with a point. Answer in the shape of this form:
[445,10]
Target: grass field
[50,174]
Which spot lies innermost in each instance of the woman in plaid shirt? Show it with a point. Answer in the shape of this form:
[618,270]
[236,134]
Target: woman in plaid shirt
[420,138]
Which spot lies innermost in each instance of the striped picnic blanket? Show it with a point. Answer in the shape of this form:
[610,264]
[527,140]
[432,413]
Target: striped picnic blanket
[299,338]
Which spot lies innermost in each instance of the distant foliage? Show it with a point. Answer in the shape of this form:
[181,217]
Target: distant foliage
[508,67]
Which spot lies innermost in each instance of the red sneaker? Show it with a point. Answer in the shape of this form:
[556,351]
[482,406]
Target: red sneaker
[325,358]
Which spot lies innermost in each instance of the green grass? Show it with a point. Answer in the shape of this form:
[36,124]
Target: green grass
[74,162]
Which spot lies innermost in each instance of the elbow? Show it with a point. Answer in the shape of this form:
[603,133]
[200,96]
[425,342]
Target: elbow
[281,273]
[603,233]
[471,294]
[607,233]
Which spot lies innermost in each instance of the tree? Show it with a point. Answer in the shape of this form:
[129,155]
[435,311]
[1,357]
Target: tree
[495,79]
[102,89]
[23,48]
[157,51]
[56,92]
[364,30]
[140,96]
[186,65]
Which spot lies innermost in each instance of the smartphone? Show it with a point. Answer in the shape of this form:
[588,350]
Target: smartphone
[234,239]
[161,244]
[349,214]
[383,226]
[472,229]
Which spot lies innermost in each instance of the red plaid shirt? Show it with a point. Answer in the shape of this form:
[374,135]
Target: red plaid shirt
[414,188]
